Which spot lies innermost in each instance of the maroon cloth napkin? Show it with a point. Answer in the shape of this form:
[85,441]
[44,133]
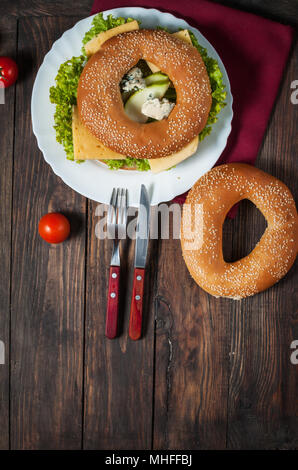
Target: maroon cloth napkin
[254,51]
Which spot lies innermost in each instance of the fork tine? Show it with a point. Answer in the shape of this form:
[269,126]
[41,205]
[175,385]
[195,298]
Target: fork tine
[121,224]
[124,206]
[118,197]
[118,205]
[114,197]
[111,210]
[121,210]
[117,209]
[111,218]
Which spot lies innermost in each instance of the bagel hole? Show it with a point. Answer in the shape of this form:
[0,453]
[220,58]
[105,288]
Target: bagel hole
[170,94]
[243,232]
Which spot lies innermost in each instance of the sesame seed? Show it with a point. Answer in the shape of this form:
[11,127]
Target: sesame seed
[100,104]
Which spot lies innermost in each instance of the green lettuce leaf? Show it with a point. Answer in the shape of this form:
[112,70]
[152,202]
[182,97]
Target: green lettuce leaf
[64,95]
[99,24]
[141,165]
[217,87]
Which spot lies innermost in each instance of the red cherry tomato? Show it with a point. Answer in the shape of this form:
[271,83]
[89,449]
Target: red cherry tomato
[54,227]
[8,71]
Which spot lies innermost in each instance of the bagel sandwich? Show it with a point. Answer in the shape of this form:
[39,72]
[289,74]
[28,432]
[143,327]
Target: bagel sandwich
[149,99]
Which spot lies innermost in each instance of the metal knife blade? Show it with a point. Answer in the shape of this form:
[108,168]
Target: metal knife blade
[143,228]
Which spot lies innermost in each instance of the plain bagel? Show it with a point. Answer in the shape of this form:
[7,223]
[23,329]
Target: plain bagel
[209,201]
[101,108]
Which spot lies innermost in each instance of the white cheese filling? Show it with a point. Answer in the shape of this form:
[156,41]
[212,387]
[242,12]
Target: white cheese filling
[133,80]
[157,109]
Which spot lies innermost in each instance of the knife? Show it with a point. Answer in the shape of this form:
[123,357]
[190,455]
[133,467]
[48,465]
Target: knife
[142,239]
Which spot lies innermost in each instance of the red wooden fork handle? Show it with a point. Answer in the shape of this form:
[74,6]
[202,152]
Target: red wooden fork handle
[113,303]
[136,308]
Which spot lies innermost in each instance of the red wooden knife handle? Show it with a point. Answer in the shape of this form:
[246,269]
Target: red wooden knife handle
[113,302]
[136,308]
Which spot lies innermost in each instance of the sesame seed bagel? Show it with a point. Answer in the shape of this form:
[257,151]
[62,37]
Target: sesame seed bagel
[204,212]
[100,104]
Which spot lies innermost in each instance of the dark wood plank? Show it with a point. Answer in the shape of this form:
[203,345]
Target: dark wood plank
[47,280]
[192,358]
[263,407]
[8,28]
[119,372]
[22,8]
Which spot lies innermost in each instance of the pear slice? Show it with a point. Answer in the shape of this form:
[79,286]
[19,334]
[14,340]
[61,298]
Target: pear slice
[156,77]
[133,106]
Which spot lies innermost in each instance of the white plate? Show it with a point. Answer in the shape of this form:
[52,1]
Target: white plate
[93,179]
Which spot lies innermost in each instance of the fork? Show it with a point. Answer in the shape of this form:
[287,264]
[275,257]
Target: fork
[116,228]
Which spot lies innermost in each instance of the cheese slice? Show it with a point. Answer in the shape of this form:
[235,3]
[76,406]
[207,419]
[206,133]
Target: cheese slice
[95,44]
[161,164]
[153,67]
[86,146]
[184,36]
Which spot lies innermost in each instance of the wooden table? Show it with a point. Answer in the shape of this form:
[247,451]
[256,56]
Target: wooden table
[208,373]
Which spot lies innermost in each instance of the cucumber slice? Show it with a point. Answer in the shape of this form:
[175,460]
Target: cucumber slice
[133,106]
[156,77]
[149,80]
